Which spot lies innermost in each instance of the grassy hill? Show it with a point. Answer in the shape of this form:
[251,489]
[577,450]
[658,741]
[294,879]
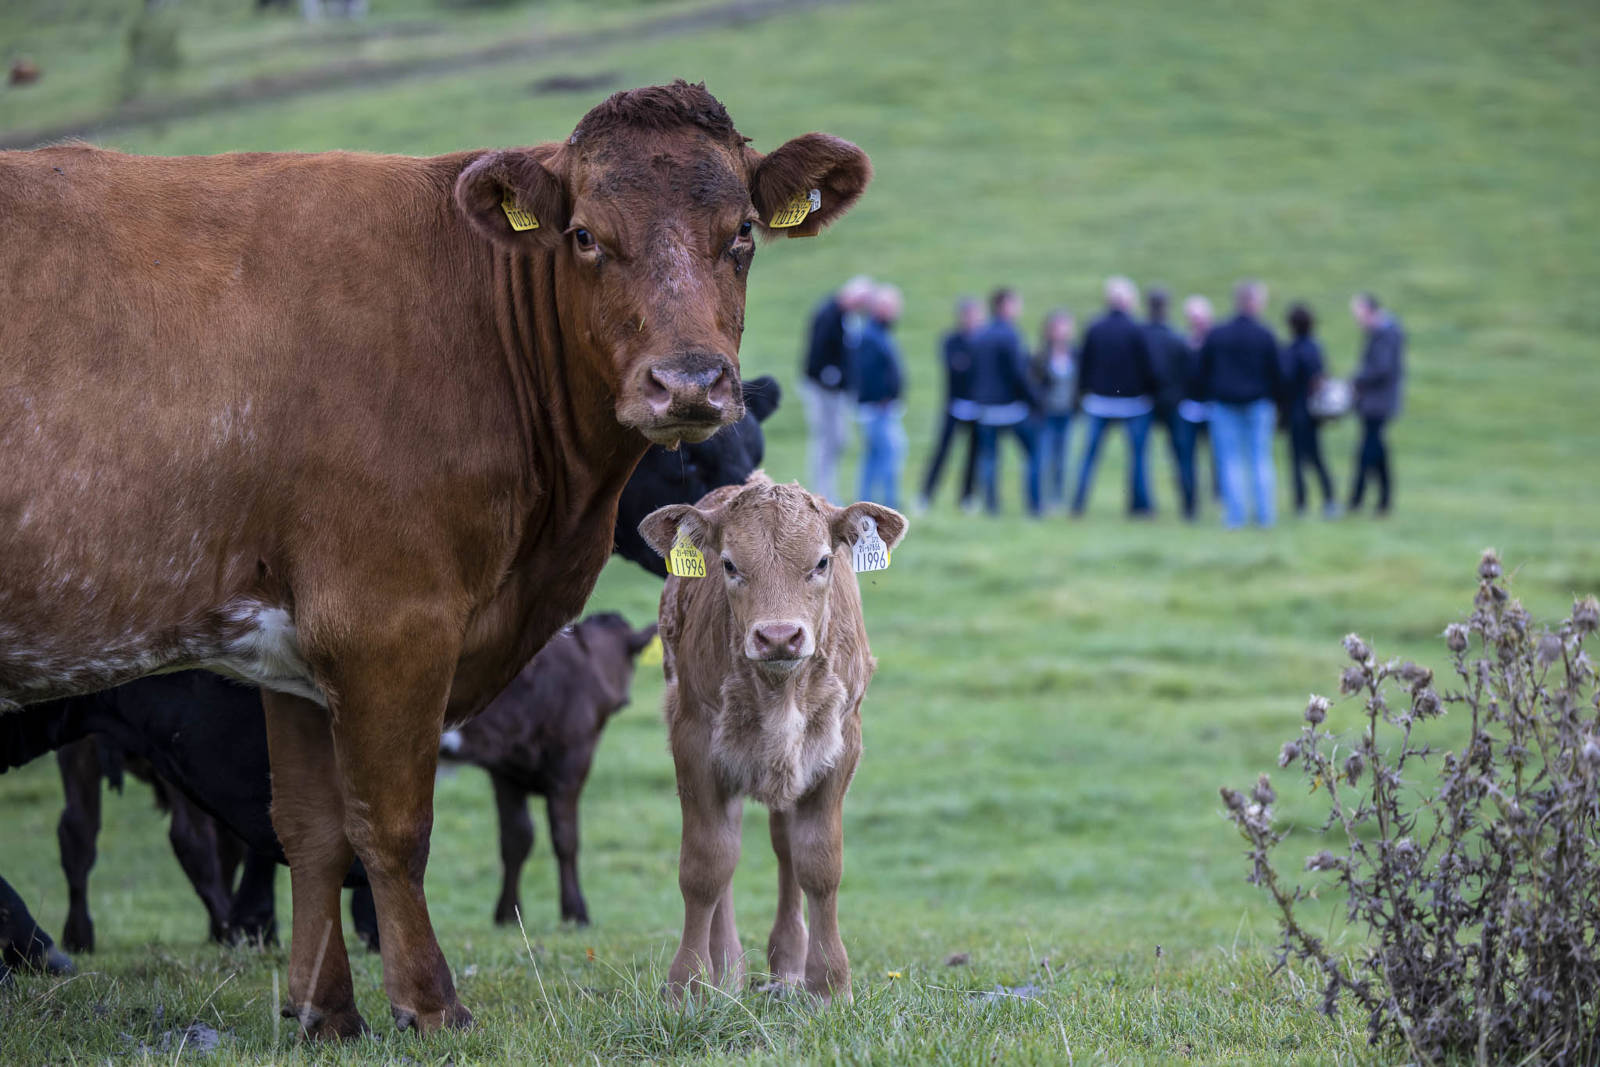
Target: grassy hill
[1057,702]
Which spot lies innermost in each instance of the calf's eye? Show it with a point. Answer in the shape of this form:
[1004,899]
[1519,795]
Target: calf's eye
[745,227]
[584,238]
[729,569]
[822,565]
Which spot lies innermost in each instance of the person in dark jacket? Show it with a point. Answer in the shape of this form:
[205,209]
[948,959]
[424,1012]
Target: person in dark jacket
[826,385]
[880,382]
[1116,383]
[1004,395]
[1302,371]
[1055,383]
[1172,364]
[960,411]
[1377,388]
[1243,379]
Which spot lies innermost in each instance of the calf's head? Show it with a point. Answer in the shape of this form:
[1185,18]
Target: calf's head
[611,646]
[779,551]
[650,212]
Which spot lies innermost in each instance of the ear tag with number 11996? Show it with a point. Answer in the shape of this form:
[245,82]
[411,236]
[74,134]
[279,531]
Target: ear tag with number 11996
[870,553]
[685,560]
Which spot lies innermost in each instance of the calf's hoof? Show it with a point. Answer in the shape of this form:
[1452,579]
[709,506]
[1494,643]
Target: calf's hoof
[454,1016]
[335,1025]
[78,936]
[56,962]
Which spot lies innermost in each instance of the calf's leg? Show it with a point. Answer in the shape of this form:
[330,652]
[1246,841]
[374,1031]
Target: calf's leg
[561,809]
[194,839]
[786,947]
[816,837]
[706,860]
[308,815]
[253,913]
[77,832]
[516,841]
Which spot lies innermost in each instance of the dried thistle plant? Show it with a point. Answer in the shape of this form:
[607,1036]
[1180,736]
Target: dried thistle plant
[1475,878]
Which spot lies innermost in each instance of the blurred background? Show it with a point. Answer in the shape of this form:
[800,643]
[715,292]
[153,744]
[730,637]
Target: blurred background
[1057,701]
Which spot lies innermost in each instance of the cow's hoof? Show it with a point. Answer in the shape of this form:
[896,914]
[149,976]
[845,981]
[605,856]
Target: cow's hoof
[57,962]
[78,937]
[453,1017]
[337,1025]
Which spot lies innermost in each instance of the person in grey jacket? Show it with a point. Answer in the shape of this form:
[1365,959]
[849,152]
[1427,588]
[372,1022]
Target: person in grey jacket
[1377,386]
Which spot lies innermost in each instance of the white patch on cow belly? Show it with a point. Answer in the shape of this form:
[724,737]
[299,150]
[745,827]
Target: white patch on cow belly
[266,651]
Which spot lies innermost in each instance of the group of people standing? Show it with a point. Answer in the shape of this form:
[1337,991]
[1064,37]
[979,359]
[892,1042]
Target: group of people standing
[1231,382]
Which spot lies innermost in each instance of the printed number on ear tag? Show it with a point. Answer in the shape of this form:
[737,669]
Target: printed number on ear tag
[869,553]
[685,560]
[795,211]
[520,218]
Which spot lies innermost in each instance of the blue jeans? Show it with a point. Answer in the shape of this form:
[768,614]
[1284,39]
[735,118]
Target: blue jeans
[989,464]
[1185,442]
[1138,429]
[1053,458]
[1241,436]
[883,452]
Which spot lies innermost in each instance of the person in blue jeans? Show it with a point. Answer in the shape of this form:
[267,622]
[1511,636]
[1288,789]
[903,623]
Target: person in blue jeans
[880,382]
[1055,381]
[1116,383]
[1004,395]
[1242,377]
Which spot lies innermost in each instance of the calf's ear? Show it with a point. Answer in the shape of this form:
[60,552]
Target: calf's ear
[514,198]
[761,396]
[835,168]
[661,528]
[847,523]
[640,638]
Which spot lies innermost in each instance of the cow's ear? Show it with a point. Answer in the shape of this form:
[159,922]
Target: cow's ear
[835,169]
[513,198]
[663,526]
[846,523]
[761,396]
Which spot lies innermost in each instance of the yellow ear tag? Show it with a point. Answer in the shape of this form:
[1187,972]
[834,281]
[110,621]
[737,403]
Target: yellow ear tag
[795,211]
[685,560]
[520,218]
[650,655]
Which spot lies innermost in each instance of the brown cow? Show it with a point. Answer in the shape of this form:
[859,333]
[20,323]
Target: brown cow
[766,663]
[353,427]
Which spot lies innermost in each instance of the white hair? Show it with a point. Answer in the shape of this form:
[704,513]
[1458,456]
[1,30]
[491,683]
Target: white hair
[857,290]
[886,301]
[1121,292]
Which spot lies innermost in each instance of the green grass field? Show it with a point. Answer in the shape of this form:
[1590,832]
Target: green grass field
[1057,702]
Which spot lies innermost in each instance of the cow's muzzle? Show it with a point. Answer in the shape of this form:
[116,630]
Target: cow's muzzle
[779,645]
[685,398]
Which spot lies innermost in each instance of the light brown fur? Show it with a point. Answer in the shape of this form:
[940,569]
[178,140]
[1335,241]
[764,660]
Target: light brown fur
[774,718]
[329,416]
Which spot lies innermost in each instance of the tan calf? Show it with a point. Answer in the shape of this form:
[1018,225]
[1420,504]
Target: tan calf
[766,664]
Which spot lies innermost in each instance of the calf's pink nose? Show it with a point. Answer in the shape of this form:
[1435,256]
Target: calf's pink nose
[779,640]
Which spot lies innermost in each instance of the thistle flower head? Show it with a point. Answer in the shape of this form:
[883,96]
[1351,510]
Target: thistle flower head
[1586,615]
[1356,647]
[1290,753]
[1263,794]
[1489,566]
[1455,637]
[1317,709]
[1352,680]
[1550,649]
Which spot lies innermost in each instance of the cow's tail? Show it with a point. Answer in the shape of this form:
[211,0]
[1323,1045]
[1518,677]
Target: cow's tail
[37,729]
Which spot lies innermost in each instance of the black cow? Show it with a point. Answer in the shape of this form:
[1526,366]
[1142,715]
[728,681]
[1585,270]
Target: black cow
[23,943]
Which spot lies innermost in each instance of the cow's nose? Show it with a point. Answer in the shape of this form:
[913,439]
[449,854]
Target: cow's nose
[692,388]
[778,640]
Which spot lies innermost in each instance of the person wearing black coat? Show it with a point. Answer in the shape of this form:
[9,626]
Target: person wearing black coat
[1302,371]
[1116,383]
[1172,362]
[827,385]
[960,410]
[1242,377]
[1004,394]
[1377,387]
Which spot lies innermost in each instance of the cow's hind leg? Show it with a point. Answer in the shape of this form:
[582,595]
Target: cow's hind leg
[253,914]
[389,715]
[706,860]
[516,841]
[77,833]
[786,947]
[561,809]
[194,838]
[308,815]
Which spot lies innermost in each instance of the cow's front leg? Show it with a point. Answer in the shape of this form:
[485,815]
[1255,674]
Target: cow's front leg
[561,809]
[308,816]
[786,947]
[816,841]
[706,860]
[389,713]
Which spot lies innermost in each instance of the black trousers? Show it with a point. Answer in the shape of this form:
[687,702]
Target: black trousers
[1305,450]
[947,433]
[1373,457]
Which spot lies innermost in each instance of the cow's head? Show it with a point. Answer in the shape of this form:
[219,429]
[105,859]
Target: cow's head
[778,550]
[651,211]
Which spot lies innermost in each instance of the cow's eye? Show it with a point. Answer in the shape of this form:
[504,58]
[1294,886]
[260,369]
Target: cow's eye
[745,228]
[822,565]
[729,569]
[584,238]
